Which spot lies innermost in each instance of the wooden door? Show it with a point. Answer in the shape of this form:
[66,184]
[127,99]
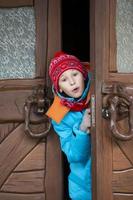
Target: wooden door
[112,155]
[30,168]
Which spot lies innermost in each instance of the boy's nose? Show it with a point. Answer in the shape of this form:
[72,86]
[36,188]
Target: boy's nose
[71,81]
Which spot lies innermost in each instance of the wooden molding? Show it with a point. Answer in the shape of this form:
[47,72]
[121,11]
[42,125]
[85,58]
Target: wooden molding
[15,3]
[41,16]
[113,44]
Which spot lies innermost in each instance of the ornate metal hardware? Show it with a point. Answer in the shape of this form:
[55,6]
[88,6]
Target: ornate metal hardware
[40,103]
[121,109]
[93,110]
[106,113]
[117,105]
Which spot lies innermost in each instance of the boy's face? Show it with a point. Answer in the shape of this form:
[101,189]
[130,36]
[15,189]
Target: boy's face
[72,83]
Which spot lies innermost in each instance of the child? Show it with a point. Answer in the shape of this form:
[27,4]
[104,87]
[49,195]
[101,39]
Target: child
[71,120]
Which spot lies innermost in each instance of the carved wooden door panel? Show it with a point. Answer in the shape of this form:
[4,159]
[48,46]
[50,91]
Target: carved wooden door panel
[30,168]
[112,123]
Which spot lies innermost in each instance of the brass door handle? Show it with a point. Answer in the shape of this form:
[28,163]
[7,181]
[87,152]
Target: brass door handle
[40,103]
[114,102]
[118,105]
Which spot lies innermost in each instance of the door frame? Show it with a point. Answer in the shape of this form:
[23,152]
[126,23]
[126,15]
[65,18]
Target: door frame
[99,59]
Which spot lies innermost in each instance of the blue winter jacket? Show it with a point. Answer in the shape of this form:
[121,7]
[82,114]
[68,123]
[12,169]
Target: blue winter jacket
[76,144]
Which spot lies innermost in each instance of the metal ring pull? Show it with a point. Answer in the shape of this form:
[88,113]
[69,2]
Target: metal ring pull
[114,102]
[39,103]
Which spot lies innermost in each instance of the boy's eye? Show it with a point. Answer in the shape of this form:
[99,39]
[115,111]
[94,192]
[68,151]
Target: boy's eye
[75,74]
[63,80]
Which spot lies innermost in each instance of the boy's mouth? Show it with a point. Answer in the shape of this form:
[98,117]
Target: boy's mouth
[75,89]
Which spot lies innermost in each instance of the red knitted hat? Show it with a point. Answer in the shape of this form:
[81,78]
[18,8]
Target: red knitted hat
[62,62]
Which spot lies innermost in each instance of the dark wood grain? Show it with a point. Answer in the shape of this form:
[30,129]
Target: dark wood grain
[38,196]
[25,182]
[15,147]
[15,3]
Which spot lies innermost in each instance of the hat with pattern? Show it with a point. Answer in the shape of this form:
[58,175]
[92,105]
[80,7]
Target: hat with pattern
[62,62]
